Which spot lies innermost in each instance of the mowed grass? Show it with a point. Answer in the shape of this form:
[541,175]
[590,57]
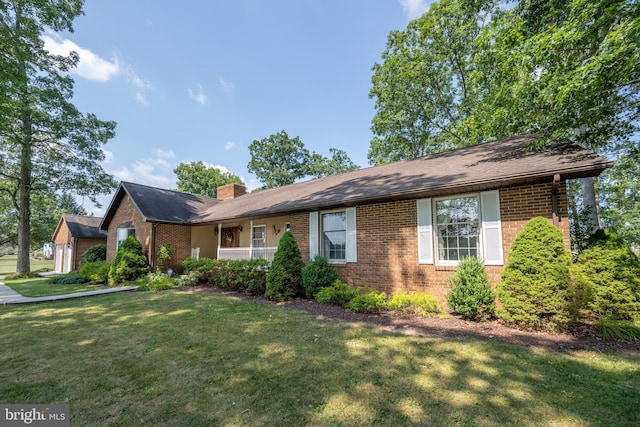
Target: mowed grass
[182,358]
[8,264]
[40,287]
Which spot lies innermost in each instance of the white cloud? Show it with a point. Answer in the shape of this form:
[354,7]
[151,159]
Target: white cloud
[90,66]
[94,68]
[414,8]
[155,170]
[108,156]
[229,145]
[228,87]
[198,95]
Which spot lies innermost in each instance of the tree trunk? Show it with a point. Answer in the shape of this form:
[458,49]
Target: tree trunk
[590,198]
[24,211]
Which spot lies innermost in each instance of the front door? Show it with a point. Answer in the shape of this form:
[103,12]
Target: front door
[229,238]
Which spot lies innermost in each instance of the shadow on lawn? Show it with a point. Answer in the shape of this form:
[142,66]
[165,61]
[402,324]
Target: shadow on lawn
[180,358]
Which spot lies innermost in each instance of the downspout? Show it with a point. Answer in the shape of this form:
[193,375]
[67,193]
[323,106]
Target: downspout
[74,262]
[153,246]
[554,200]
[251,239]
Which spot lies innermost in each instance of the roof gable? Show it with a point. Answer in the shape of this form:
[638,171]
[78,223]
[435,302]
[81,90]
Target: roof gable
[157,204]
[81,226]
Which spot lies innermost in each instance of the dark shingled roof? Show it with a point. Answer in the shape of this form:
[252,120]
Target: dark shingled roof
[83,226]
[480,167]
[158,205]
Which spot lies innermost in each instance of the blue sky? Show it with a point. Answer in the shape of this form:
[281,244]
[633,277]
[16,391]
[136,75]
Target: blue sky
[200,80]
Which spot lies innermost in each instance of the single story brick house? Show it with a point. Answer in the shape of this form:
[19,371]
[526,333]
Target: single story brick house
[399,226]
[73,235]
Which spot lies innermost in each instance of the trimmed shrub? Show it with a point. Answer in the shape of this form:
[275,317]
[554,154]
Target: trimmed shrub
[156,282]
[94,254]
[129,262]
[471,294]
[317,274]
[414,302]
[369,302]
[96,272]
[339,293]
[612,272]
[284,280]
[72,278]
[536,282]
[249,276]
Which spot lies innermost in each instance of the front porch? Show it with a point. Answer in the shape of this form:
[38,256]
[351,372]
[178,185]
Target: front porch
[265,253]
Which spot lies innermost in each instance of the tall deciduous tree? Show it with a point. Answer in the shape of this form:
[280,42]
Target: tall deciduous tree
[424,88]
[46,144]
[198,178]
[278,160]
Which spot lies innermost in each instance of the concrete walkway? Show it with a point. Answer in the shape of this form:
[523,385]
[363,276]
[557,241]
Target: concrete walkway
[9,296]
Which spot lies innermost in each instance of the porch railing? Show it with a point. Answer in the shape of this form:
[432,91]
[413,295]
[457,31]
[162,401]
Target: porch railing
[247,253]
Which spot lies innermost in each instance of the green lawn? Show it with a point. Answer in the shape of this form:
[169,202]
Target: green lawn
[200,359]
[8,264]
[40,287]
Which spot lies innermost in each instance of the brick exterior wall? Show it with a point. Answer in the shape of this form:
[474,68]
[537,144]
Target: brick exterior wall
[387,240]
[79,245]
[151,236]
[128,215]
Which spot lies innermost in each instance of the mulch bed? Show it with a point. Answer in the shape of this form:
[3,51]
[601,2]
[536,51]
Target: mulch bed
[451,327]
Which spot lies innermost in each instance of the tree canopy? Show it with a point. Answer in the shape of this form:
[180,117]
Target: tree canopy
[46,144]
[198,178]
[279,160]
[468,71]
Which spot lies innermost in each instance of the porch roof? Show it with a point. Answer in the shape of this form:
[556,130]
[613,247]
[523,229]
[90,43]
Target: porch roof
[480,167]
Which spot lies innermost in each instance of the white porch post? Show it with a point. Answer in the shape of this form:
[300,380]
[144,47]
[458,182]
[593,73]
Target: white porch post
[251,239]
[219,238]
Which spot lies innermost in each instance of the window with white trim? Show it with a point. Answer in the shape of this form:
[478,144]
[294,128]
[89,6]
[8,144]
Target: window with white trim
[259,236]
[457,229]
[334,236]
[452,228]
[123,233]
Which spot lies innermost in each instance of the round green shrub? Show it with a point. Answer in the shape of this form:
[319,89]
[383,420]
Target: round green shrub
[536,282]
[95,253]
[284,279]
[370,302]
[471,294]
[129,262]
[413,302]
[612,272]
[339,293]
[96,272]
[317,274]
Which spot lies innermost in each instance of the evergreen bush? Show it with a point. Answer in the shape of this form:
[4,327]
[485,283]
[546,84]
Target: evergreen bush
[471,294]
[413,302]
[536,282]
[96,272]
[129,262]
[284,280]
[71,278]
[369,302]
[612,272]
[95,253]
[339,293]
[317,274]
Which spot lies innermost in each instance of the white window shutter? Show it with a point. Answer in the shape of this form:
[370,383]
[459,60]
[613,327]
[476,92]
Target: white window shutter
[491,228]
[425,232]
[313,235]
[352,246]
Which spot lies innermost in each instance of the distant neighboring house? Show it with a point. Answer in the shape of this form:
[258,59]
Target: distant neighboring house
[400,226]
[73,235]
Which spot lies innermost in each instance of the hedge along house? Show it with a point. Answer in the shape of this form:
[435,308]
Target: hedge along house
[73,235]
[399,226]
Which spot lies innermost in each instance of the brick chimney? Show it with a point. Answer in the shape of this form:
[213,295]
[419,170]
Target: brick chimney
[231,191]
